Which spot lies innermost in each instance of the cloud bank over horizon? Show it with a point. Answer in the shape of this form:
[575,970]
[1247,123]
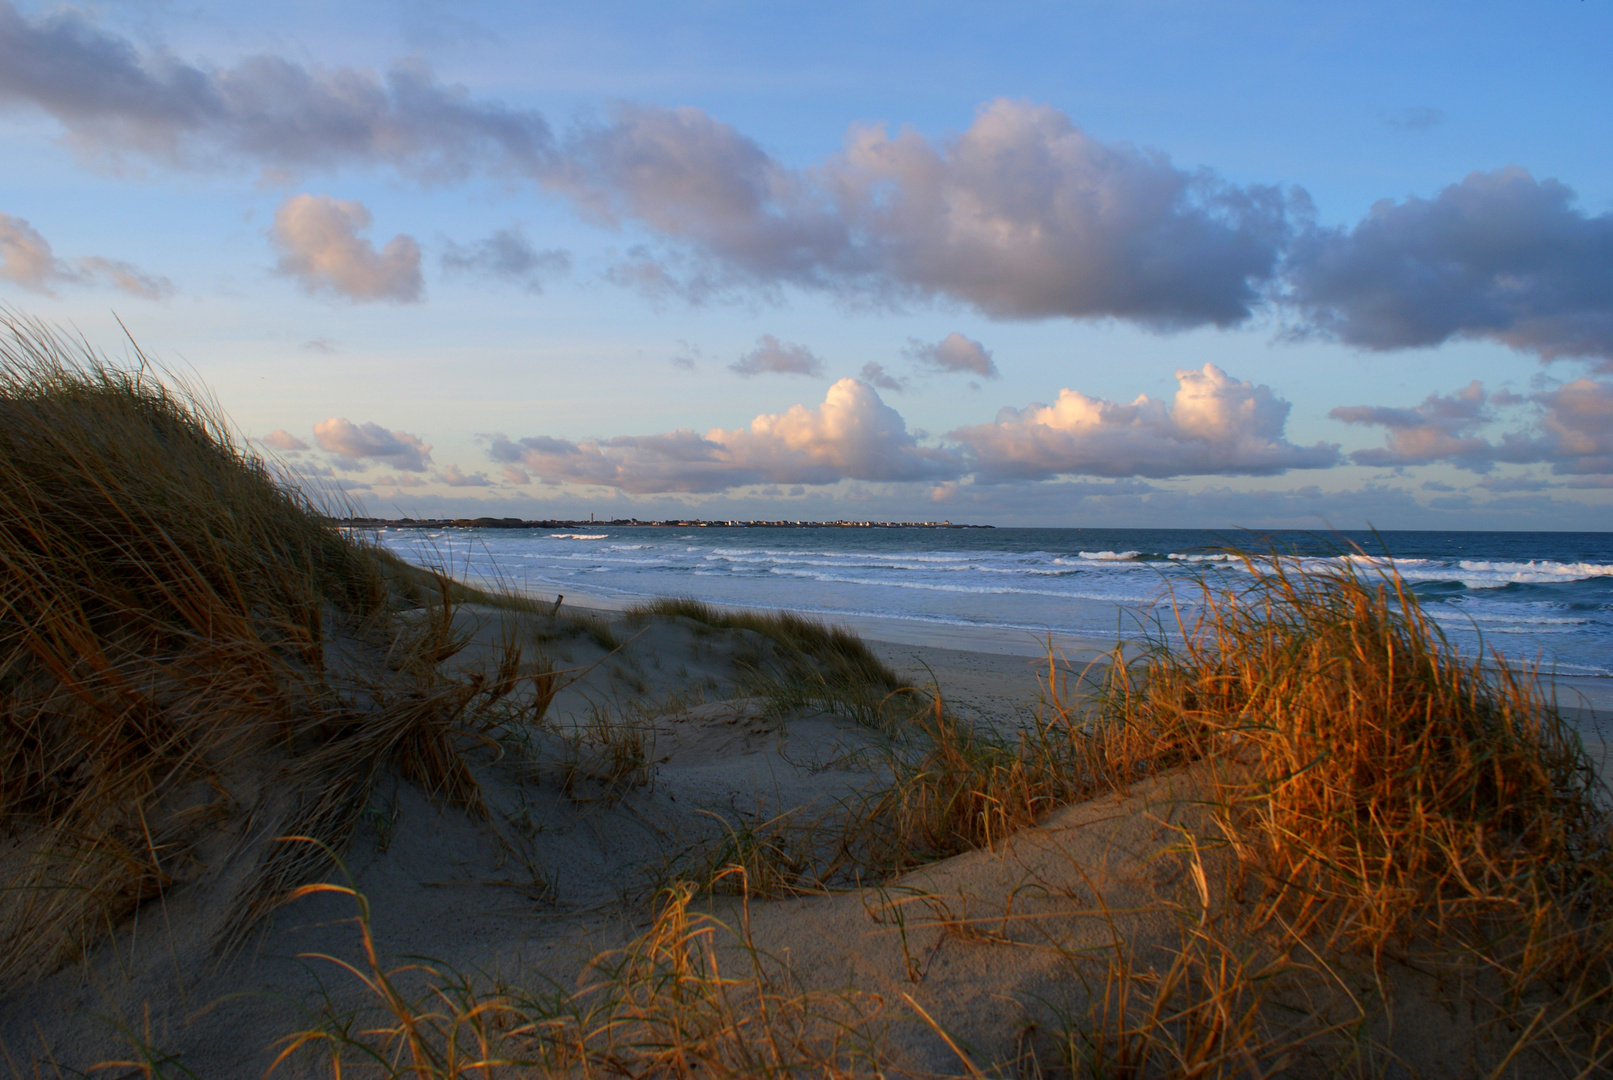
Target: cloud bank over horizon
[1570,429]
[1022,215]
[1214,426]
[852,435]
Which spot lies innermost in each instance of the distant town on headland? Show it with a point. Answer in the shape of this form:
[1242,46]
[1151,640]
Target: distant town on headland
[685,523]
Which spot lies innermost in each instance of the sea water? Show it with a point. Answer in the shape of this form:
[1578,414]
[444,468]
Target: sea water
[1544,597]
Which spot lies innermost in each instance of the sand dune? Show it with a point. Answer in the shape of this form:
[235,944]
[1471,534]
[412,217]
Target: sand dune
[977,961]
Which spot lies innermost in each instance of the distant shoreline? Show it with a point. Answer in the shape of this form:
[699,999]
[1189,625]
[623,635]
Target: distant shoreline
[669,523]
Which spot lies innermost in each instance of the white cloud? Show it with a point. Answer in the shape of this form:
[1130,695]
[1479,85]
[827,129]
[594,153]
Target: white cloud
[1442,428]
[1571,429]
[25,256]
[352,444]
[125,277]
[774,357]
[1577,428]
[851,435]
[283,440]
[1216,425]
[454,476]
[320,246]
[27,259]
[953,353]
[514,474]
[403,481]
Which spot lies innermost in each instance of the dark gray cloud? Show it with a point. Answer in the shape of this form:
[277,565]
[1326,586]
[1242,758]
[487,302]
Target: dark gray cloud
[507,255]
[701,183]
[1500,255]
[1569,428]
[774,357]
[1022,215]
[113,100]
[953,353]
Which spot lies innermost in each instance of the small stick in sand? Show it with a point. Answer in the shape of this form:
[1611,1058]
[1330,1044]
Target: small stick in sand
[556,609]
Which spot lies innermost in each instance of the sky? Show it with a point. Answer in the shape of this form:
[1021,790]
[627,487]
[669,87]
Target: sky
[1154,263]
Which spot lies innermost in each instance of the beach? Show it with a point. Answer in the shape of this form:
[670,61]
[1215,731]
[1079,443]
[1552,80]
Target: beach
[932,600]
[1538,598]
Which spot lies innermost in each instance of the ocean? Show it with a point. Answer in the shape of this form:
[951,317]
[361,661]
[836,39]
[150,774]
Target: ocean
[1545,597]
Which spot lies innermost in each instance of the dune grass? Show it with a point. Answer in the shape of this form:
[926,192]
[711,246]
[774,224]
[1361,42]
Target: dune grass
[1392,821]
[1392,814]
[1381,783]
[665,1004]
[168,611]
[809,664]
[425,584]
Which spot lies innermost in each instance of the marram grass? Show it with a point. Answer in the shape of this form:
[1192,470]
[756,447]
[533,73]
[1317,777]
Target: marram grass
[166,608]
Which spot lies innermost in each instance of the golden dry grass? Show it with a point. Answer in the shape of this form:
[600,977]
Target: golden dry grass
[666,1004]
[1395,820]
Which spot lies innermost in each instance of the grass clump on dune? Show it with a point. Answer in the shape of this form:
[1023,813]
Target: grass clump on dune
[1387,807]
[1391,821]
[168,608]
[809,664]
[1387,784]
[690,996]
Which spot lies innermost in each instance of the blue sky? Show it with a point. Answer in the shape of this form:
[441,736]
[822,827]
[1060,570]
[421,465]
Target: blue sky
[1061,264]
